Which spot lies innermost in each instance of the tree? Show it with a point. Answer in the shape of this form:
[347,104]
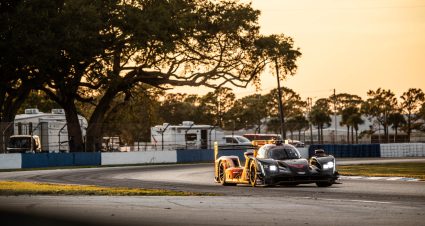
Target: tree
[214,105]
[292,103]
[397,120]
[346,105]
[411,102]
[248,112]
[346,116]
[320,116]
[355,120]
[421,117]
[176,108]
[38,99]
[18,76]
[380,104]
[55,42]
[94,51]
[176,43]
[297,123]
[133,118]
[278,51]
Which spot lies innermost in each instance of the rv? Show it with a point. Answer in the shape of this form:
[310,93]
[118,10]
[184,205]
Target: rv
[186,135]
[51,128]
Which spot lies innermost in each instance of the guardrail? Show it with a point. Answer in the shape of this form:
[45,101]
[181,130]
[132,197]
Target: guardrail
[41,160]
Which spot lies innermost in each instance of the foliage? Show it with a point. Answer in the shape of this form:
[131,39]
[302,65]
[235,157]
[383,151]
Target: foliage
[132,119]
[248,112]
[30,188]
[411,101]
[176,108]
[380,104]
[215,105]
[39,100]
[279,53]
[409,170]
[320,116]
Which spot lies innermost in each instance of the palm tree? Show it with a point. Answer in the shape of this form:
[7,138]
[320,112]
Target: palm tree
[397,120]
[320,116]
[301,124]
[355,120]
[346,115]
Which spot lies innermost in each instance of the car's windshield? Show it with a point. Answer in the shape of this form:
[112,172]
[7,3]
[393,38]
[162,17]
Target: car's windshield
[283,153]
[19,142]
[242,140]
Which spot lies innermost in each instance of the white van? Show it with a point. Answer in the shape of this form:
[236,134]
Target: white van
[236,140]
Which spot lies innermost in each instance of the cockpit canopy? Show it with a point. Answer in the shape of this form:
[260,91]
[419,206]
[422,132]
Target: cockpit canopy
[278,152]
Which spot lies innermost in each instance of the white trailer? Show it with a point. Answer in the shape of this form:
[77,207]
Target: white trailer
[186,135]
[50,127]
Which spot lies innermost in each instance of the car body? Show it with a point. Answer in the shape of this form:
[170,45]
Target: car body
[296,143]
[274,164]
[236,140]
[262,136]
[24,144]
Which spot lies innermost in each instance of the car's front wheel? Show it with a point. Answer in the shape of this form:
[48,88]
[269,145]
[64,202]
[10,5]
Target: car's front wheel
[253,176]
[222,174]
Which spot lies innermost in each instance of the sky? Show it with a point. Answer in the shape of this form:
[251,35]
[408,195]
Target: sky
[351,46]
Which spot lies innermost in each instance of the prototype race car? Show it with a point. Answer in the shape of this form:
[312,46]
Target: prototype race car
[275,164]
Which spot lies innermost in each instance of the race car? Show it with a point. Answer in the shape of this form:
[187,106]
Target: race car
[274,164]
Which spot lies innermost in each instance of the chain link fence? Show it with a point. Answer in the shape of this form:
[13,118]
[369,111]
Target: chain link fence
[129,137]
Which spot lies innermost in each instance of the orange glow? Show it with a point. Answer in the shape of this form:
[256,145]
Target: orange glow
[349,45]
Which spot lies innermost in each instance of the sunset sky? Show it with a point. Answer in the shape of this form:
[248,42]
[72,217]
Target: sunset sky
[349,45]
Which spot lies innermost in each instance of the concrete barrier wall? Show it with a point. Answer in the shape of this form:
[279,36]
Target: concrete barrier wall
[403,150]
[118,158]
[10,161]
[16,161]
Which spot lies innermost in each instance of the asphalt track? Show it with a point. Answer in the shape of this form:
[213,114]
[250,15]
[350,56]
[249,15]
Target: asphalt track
[354,202]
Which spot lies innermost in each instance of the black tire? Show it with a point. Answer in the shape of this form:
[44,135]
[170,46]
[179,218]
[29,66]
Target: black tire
[253,176]
[324,184]
[222,175]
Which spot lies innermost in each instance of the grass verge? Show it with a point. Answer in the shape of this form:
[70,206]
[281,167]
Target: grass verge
[30,188]
[410,170]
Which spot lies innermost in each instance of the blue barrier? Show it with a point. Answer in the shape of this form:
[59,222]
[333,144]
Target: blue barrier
[348,150]
[41,160]
[194,155]
[87,158]
[35,160]
[60,159]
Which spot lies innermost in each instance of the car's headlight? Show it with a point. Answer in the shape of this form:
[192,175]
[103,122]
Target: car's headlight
[328,165]
[273,168]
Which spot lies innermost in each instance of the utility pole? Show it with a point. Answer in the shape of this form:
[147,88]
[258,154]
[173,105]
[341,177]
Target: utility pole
[279,91]
[309,100]
[335,133]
